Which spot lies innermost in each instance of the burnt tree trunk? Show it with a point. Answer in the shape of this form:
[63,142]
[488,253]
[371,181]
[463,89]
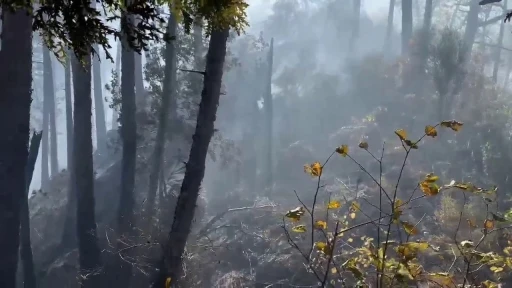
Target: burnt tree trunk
[99,109]
[29,277]
[170,265]
[88,249]
[168,94]
[54,163]
[406,25]
[15,99]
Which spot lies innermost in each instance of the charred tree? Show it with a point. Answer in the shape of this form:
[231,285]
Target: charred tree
[170,265]
[29,277]
[88,249]
[406,25]
[269,116]
[99,109]
[16,83]
[168,94]
[389,28]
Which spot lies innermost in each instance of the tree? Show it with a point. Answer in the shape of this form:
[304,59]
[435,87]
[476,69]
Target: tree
[29,277]
[129,140]
[269,116]
[49,117]
[406,25]
[168,94]
[15,80]
[389,27]
[88,249]
[101,126]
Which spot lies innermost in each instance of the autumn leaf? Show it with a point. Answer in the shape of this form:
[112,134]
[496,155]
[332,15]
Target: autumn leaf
[401,134]
[334,204]
[299,229]
[168,282]
[342,150]
[319,224]
[352,215]
[314,169]
[507,250]
[295,214]
[409,228]
[488,224]
[430,131]
[355,207]
[351,265]
[409,250]
[442,279]
[489,284]
[397,211]
[363,145]
[467,244]
[323,247]
[430,177]
[430,189]
[452,124]
[496,269]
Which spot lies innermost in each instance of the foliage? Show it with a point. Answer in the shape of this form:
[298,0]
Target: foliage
[394,257]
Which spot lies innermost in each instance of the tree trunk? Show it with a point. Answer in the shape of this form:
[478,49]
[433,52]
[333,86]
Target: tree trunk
[88,249]
[69,236]
[499,45]
[115,115]
[509,69]
[168,93]
[129,139]
[406,25]
[99,109]
[170,265]
[47,88]
[269,111]
[53,119]
[471,27]
[140,93]
[29,277]
[15,80]
[389,28]
[355,25]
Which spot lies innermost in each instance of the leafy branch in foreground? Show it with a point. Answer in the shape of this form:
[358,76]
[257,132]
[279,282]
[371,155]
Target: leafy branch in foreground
[332,256]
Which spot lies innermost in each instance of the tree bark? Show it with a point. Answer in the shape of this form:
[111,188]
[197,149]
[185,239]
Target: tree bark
[15,98]
[269,111]
[88,249]
[47,88]
[168,93]
[129,140]
[115,115]
[497,52]
[406,25]
[54,163]
[99,109]
[170,265]
[29,277]
[389,28]
[68,235]
[140,93]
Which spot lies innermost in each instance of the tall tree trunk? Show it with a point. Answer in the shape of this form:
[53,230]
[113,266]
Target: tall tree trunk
[99,109]
[499,45]
[406,25]
[129,139]
[355,25]
[509,69]
[269,117]
[15,80]
[29,277]
[184,214]
[140,93]
[68,239]
[168,94]
[53,118]
[115,115]
[47,94]
[88,249]
[389,28]
[471,28]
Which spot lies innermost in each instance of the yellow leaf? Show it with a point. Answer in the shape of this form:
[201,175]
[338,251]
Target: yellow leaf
[295,214]
[496,269]
[411,144]
[334,204]
[442,279]
[409,228]
[321,224]
[354,207]
[430,177]
[489,284]
[342,150]
[452,124]
[314,169]
[299,229]
[430,131]
[334,270]
[168,282]
[488,224]
[401,134]
[363,145]
[352,215]
[323,247]
[430,189]
[507,250]
[409,249]
[350,240]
